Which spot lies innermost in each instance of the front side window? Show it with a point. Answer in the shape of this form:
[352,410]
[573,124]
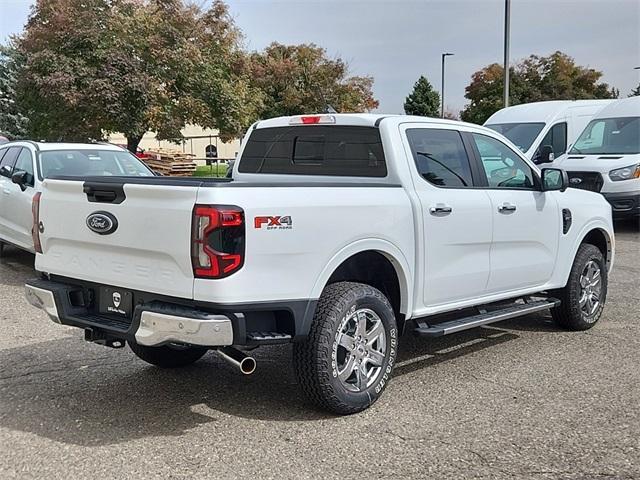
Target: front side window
[521,135]
[8,161]
[440,157]
[503,167]
[609,136]
[335,150]
[81,162]
[24,163]
[556,138]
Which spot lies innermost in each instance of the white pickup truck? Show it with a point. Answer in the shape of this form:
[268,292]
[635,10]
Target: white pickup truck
[336,233]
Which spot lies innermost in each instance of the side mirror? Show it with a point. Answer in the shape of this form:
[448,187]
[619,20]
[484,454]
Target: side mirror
[20,179]
[554,179]
[545,154]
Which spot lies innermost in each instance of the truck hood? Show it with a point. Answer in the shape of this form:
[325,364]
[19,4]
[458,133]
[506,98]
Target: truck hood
[594,163]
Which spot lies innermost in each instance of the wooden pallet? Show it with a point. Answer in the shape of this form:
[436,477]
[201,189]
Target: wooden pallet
[171,162]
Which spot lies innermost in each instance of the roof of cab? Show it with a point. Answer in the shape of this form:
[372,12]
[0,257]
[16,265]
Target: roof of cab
[44,146]
[542,112]
[626,107]
[355,119]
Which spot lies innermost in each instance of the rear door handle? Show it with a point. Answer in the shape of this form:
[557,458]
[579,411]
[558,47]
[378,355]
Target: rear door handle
[440,209]
[506,208]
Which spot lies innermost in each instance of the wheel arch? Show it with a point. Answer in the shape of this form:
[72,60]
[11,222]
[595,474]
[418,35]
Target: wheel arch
[597,234]
[376,262]
[601,239]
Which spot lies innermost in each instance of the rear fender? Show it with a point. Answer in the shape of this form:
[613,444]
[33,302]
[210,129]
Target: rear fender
[384,247]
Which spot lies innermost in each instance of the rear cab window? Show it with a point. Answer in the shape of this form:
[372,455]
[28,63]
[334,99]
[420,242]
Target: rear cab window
[324,150]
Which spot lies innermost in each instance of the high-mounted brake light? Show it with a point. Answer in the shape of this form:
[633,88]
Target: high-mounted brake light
[217,240]
[35,227]
[313,120]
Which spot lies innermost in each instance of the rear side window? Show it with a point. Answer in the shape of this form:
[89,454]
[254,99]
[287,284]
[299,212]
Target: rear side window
[440,157]
[315,150]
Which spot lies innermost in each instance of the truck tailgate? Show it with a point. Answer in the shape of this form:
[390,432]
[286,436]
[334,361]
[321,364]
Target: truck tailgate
[149,250]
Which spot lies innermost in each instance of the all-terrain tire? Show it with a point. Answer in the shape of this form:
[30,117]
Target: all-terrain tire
[315,361]
[570,314]
[166,356]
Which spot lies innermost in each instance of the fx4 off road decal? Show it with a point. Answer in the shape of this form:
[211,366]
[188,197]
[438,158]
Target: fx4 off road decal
[273,222]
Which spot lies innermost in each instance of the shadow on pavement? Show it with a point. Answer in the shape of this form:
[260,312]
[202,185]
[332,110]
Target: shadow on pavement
[82,394]
[17,265]
[627,226]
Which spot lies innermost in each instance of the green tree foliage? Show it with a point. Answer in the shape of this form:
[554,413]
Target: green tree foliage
[635,92]
[12,122]
[99,66]
[423,100]
[535,79]
[297,79]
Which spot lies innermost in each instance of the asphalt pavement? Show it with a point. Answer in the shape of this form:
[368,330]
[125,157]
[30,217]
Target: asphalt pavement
[518,399]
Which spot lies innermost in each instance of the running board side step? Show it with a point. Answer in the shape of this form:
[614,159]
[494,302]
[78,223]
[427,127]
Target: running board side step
[423,329]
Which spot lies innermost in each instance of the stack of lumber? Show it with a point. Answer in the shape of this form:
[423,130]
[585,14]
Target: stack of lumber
[170,162]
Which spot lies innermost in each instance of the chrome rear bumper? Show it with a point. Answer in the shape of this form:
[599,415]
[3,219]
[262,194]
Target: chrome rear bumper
[153,325]
[159,328]
[43,299]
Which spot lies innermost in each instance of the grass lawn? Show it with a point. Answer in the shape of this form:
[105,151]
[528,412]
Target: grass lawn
[219,170]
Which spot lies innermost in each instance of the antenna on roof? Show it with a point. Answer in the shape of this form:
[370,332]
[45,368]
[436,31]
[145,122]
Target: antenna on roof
[330,109]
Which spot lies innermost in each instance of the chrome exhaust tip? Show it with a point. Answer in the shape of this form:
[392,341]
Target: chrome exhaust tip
[239,359]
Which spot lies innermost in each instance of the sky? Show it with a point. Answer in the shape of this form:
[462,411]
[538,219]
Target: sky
[396,41]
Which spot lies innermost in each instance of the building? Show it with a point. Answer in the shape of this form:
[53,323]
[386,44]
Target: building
[201,142]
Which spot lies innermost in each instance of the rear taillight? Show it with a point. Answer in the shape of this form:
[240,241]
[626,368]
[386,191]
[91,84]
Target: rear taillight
[35,228]
[217,240]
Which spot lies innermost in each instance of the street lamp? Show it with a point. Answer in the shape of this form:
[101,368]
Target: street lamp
[507,22]
[442,83]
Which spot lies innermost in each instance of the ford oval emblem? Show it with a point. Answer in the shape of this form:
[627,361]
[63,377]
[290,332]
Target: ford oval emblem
[103,223]
[575,180]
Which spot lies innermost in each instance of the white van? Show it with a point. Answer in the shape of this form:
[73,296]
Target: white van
[554,125]
[606,157]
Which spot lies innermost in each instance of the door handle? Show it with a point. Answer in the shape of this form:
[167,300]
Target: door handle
[506,208]
[440,209]
[6,191]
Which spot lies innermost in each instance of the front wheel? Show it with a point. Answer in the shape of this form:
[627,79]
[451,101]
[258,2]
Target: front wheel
[346,361]
[582,299]
[168,356]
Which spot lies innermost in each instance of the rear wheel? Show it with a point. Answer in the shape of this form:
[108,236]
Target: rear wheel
[168,356]
[582,299]
[346,361]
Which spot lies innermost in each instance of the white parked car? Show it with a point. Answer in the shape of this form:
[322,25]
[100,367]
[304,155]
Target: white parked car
[24,165]
[337,233]
[606,157]
[543,128]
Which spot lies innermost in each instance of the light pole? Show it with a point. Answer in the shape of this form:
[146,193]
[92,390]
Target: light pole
[507,21]
[442,84]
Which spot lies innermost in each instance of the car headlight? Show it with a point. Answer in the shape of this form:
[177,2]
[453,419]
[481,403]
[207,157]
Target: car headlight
[625,173]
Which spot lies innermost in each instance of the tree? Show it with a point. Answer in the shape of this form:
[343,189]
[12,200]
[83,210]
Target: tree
[534,79]
[99,66]
[635,92]
[298,79]
[423,100]
[12,122]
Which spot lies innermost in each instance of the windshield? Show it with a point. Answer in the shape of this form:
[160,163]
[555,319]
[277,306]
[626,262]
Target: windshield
[521,135]
[609,136]
[85,163]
